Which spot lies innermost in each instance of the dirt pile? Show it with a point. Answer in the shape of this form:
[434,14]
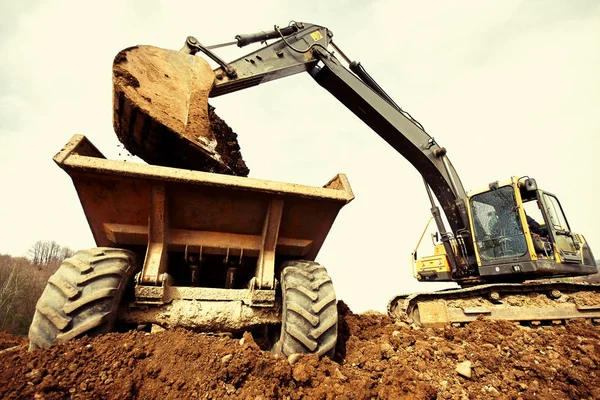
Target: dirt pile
[7,341]
[375,358]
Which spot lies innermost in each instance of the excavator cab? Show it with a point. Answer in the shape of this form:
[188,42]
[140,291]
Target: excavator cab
[522,231]
[519,232]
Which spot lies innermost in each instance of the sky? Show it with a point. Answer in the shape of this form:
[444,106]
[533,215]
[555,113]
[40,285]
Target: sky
[510,88]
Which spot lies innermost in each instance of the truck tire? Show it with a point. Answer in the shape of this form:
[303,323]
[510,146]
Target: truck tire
[309,311]
[82,297]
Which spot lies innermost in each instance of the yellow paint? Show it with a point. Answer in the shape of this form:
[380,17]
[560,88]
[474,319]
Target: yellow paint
[316,36]
[439,250]
[523,218]
[438,263]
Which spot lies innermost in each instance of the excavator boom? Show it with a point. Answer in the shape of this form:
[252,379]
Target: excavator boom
[308,50]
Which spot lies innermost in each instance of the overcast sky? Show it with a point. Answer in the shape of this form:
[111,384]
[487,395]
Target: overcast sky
[509,88]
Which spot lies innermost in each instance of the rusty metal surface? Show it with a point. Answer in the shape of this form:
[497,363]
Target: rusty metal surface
[168,209]
[161,112]
[155,263]
[265,275]
[439,314]
[211,242]
[80,156]
[117,192]
[203,315]
[256,297]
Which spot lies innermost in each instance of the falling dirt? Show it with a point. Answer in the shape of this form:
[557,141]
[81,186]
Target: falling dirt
[227,144]
[375,358]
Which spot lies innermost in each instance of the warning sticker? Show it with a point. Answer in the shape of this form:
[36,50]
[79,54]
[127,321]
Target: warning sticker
[316,36]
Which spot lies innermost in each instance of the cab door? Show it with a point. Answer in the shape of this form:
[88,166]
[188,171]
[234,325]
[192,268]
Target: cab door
[558,228]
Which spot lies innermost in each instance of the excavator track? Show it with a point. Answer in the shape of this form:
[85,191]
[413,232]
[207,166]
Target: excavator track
[536,303]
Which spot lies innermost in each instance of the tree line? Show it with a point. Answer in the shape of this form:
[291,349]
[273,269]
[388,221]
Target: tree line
[22,281]
[48,252]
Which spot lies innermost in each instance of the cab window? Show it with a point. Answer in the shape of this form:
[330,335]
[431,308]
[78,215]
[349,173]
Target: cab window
[498,230]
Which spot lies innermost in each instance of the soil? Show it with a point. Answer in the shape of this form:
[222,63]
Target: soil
[7,340]
[227,144]
[375,358]
[161,112]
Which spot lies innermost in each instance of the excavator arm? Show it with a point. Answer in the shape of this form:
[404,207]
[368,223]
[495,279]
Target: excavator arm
[162,114]
[306,49]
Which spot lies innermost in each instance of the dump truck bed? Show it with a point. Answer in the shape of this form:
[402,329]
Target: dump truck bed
[128,204]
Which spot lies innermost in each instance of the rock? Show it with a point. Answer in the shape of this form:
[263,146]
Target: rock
[300,374]
[387,350]
[492,390]
[293,358]
[464,369]
[35,375]
[156,328]
[338,375]
[13,348]
[226,358]
[230,389]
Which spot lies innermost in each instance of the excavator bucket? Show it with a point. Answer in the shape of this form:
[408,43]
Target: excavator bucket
[161,112]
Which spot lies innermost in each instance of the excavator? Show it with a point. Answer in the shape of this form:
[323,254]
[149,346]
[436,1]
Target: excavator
[225,252]
[505,263]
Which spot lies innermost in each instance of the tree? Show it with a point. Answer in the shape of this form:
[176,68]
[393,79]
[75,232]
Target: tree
[21,284]
[11,284]
[48,252]
[22,281]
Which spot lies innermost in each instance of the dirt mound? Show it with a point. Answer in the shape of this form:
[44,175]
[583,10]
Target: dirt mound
[7,340]
[375,358]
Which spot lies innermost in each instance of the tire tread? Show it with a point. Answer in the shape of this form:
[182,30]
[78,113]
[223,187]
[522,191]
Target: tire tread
[309,317]
[82,297]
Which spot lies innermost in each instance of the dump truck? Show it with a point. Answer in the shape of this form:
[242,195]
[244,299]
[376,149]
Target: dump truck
[506,266]
[205,251]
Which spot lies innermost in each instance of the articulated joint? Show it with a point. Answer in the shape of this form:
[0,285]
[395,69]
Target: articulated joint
[439,153]
[193,46]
